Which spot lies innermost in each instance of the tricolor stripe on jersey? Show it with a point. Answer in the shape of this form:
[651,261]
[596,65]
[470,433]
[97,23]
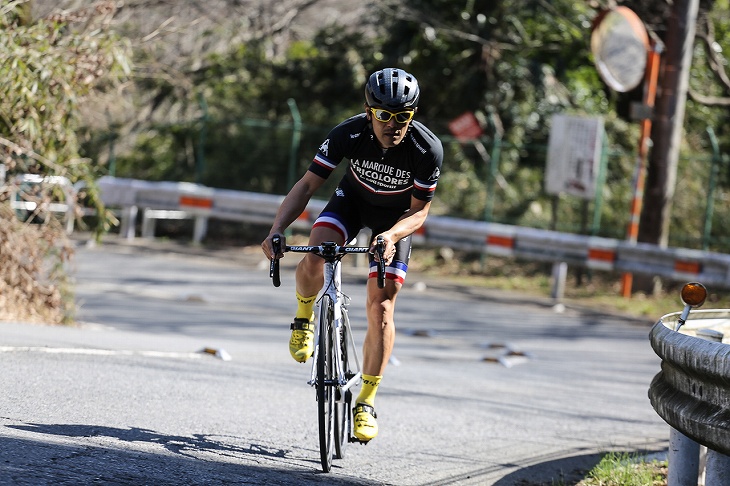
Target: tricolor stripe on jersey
[425,186]
[324,162]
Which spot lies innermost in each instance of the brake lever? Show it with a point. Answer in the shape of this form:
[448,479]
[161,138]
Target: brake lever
[274,266]
[380,249]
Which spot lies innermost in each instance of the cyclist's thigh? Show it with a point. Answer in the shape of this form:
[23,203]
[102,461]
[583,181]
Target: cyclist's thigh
[321,233]
[318,235]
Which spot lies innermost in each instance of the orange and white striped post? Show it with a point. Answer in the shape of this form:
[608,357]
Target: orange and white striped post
[650,88]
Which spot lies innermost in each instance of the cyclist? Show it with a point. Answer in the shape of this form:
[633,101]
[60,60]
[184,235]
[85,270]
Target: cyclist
[394,166]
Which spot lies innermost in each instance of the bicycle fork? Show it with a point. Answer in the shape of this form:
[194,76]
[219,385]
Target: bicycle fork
[341,381]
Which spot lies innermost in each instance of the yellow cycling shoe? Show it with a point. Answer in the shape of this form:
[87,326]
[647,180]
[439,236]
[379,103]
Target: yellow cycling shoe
[301,343]
[365,425]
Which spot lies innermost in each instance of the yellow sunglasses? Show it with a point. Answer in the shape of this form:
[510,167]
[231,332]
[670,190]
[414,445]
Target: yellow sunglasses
[384,116]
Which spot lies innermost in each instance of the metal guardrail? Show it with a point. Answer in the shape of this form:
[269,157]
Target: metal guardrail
[159,200]
[692,394]
[35,196]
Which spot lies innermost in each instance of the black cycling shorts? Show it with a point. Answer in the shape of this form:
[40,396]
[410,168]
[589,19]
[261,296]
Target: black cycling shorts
[347,214]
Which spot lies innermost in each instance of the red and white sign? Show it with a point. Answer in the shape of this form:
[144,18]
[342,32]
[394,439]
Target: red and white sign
[466,127]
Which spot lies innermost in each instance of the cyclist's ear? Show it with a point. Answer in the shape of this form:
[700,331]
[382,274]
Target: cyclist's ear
[367,111]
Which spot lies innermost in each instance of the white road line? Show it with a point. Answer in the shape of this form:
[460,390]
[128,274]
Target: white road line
[96,352]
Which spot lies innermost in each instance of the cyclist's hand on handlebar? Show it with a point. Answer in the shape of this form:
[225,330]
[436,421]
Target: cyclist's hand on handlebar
[389,250]
[268,247]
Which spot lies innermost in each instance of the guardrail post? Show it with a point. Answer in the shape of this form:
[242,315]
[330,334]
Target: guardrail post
[683,459]
[129,218]
[70,219]
[560,273]
[201,227]
[148,225]
[717,469]
[710,335]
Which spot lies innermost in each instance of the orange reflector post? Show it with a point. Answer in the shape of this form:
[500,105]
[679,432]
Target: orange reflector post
[694,294]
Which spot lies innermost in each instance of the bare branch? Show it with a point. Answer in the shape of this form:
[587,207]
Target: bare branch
[10,6]
[709,100]
[159,29]
[18,150]
[715,63]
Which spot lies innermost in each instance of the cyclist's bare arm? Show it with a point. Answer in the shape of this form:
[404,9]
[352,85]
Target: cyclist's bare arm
[291,207]
[408,224]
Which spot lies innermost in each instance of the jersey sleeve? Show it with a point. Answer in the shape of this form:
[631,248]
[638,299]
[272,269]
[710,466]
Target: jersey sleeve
[332,150]
[429,170]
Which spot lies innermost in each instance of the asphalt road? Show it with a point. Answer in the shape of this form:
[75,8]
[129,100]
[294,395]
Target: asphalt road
[128,398]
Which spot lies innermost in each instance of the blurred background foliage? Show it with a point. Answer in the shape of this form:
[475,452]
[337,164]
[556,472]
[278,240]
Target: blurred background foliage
[48,69]
[217,90]
[238,94]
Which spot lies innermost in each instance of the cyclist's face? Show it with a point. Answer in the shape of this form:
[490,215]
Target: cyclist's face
[390,133]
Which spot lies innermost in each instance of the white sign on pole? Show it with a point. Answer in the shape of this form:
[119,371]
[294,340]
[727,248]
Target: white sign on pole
[574,155]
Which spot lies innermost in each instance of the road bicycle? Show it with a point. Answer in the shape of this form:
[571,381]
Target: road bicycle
[336,365]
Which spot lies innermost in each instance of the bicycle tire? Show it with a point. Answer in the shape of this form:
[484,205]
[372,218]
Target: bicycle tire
[325,390]
[343,417]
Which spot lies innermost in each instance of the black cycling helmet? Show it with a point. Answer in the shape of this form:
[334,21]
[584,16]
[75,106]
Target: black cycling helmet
[392,89]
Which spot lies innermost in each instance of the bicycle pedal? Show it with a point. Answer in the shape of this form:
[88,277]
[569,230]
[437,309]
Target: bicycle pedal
[355,439]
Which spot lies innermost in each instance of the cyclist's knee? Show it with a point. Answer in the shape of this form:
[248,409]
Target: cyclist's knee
[382,303]
[390,291]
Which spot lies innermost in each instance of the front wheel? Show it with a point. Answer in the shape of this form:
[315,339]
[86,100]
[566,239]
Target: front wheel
[343,416]
[324,383]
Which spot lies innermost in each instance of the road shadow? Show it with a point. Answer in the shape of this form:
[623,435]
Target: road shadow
[196,459]
[567,471]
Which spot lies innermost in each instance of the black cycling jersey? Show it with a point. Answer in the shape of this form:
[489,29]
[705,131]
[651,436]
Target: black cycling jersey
[382,177]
